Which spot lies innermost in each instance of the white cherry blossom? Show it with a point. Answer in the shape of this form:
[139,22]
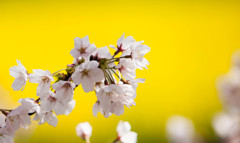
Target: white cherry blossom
[102,53]
[87,74]
[180,130]
[64,90]
[84,130]
[48,117]
[123,43]
[43,78]
[112,98]
[137,52]
[18,118]
[82,48]
[20,74]
[30,105]
[229,90]
[59,106]
[5,137]
[134,82]
[125,135]
[127,69]
[226,125]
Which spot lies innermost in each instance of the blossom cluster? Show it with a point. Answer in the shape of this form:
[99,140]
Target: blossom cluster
[95,69]
[124,133]
[227,123]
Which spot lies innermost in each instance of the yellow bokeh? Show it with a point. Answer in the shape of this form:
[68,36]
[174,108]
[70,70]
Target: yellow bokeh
[191,45]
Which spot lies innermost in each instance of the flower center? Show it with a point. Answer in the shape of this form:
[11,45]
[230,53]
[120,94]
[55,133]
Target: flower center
[82,50]
[45,79]
[85,72]
[67,85]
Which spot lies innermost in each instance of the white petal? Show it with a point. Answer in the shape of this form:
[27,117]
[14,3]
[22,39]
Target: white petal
[18,84]
[123,127]
[95,109]
[87,84]
[112,46]
[92,65]
[85,41]
[84,129]
[70,107]
[34,78]
[96,75]
[60,108]
[51,119]
[130,137]
[117,109]
[75,53]
[120,40]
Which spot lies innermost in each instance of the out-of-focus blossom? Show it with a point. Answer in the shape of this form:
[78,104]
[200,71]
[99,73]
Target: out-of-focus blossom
[227,126]
[84,130]
[180,130]
[82,48]
[87,74]
[20,74]
[125,135]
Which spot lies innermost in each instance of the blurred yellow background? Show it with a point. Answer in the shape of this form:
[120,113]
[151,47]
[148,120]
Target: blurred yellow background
[191,45]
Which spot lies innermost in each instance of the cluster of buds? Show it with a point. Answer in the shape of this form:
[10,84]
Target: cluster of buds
[124,133]
[112,78]
[227,123]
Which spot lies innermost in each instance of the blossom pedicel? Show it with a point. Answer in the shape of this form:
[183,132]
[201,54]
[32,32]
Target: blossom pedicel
[93,69]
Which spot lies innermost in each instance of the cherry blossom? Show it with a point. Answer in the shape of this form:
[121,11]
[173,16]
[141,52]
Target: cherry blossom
[123,43]
[59,106]
[82,48]
[48,117]
[64,90]
[137,52]
[226,125]
[5,137]
[18,118]
[134,82]
[30,105]
[181,130]
[87,74]
[125,135]
[112,98]
[84,130]
[102,53]
[43,78]
[20,74]
[127,69]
